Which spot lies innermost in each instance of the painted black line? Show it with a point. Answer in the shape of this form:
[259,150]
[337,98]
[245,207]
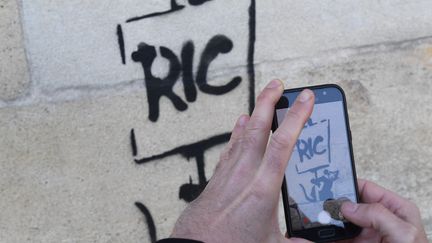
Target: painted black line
[197,2]
[133,143]
[121,43]
[150,222]
[202,180]
[251,54]
[189,151]
[174,8]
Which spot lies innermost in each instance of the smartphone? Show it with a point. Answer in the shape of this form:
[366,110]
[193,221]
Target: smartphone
[320,174]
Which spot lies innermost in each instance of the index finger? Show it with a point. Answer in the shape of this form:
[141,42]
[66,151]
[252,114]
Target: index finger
[403,208]
[283,140]
[257,130]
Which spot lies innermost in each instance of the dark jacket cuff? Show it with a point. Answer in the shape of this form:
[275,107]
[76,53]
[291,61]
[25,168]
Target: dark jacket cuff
[174,240]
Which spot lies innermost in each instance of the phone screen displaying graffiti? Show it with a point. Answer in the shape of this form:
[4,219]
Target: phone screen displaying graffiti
[320,173]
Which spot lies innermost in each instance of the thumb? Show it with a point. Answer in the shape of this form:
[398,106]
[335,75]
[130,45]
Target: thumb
[377,217]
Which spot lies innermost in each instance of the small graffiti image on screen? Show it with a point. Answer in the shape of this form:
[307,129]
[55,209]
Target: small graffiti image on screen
[320,167]
[313,154]
[313,147]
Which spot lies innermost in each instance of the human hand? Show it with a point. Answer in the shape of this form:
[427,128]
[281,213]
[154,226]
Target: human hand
[384,216]
[240,203]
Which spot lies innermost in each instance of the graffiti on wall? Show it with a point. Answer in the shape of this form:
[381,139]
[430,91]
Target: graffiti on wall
[157,87]
[181,69]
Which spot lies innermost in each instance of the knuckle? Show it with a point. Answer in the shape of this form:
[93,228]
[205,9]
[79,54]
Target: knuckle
[282,141]
[257,123]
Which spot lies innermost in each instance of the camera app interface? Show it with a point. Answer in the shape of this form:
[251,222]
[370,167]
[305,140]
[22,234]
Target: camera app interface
[319,173]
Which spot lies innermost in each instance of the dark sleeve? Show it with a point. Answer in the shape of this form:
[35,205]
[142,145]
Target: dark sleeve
[173,240]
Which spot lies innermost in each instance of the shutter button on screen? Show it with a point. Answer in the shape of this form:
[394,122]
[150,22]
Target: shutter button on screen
[324,217]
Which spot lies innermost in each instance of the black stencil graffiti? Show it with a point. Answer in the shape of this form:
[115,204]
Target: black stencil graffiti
[149,219]
[157,87]
[181,69]
[174,8]
[121,43]
[188,192]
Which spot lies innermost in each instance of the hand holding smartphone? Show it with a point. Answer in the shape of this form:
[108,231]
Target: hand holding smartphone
[240,201]
[320,174]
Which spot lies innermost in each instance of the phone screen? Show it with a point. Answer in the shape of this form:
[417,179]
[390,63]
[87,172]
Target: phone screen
[320,168]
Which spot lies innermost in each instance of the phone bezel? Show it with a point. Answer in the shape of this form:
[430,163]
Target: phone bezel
[312,234]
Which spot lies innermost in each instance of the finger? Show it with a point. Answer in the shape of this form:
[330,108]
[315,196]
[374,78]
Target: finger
[258,128]
[366,236]
[239,128]
[230,151]
[403,208]
[236,134]
[378,217]
[283,140]
[297,240]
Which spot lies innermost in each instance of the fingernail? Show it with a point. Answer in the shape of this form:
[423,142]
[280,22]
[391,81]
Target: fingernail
[274,84]
[304,96]
[349,207]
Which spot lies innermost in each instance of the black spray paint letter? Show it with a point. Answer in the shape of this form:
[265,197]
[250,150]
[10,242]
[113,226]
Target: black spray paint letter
[158,87]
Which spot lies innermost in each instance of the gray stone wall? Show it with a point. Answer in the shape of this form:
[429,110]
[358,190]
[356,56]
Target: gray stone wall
[89,153]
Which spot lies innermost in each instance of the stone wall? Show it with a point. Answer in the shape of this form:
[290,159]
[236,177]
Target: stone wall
[113,114]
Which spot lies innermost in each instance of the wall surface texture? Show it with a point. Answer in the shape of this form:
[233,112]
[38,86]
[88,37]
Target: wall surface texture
[113,113]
